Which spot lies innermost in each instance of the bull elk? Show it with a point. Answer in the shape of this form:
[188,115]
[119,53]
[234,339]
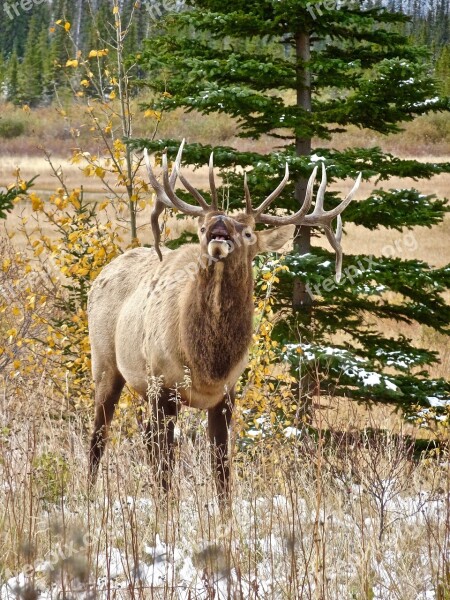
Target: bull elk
[155,315]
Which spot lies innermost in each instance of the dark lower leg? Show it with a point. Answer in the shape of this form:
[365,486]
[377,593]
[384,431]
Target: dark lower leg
[107,395]
[219,419]
[160,435]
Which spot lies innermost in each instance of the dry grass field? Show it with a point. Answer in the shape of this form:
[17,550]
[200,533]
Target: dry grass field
[337,518]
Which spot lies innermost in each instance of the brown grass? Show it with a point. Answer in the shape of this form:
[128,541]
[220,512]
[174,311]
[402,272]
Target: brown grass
[355,517]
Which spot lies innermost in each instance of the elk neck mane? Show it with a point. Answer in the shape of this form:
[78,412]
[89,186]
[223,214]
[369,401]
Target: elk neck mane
[216,321]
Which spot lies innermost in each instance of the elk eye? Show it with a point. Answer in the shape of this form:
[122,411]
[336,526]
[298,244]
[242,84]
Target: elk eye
[202,230]
[248,234]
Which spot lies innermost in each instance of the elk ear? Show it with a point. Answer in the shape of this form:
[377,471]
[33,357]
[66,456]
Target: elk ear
[270,240]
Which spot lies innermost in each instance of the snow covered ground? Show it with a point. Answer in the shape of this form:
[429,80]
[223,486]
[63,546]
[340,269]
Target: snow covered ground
[252,553]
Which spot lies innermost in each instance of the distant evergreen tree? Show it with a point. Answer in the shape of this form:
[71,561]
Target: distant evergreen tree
[443,70]
[12,79]
[344,66]
[13,31]
[3,71]
[31,77]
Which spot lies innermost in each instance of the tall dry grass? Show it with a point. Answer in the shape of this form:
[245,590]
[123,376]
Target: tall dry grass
[356,517]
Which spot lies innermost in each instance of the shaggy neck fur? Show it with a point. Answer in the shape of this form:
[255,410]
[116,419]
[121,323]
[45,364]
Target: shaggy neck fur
[216,326]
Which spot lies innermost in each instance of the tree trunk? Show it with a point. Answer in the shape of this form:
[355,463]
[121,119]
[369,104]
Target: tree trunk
[301,300]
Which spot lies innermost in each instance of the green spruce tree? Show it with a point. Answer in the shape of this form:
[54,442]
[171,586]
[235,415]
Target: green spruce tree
[31,79]
[12,79]
[443,70]
[300,70]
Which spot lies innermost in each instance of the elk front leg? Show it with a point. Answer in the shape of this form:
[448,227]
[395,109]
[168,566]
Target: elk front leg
[107,393]
[219,420]
[160,435]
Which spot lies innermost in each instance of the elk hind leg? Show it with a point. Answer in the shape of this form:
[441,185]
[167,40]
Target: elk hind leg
[219,420]
[107,394]
[160,434]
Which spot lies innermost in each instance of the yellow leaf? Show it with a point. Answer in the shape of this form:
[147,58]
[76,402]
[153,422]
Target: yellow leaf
[36,202]
[88,170]
[58,22]
[100,172]
[155,114]
[72,63]
[67,26]
[112,95]
[85,82]
[115,10]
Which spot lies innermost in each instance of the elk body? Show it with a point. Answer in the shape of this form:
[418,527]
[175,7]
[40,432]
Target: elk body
[176,326]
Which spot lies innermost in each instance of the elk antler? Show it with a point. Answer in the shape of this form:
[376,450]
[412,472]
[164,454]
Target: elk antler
[318,218]
[166,197]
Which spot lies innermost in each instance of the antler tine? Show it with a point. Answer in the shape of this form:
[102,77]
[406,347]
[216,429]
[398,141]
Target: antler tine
[159,189]
[248,198]
[296,218]
[271,197]
[177,202]
[162,199]
[318,208]
[177,164]
[212,183]
[160,193]
[335,243]
[154,220]
[321,217]
[191,189]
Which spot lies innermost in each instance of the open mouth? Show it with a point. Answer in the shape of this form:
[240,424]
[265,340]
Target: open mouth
[219,233]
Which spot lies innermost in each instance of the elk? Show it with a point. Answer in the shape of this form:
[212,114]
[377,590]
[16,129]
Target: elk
[155,315]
